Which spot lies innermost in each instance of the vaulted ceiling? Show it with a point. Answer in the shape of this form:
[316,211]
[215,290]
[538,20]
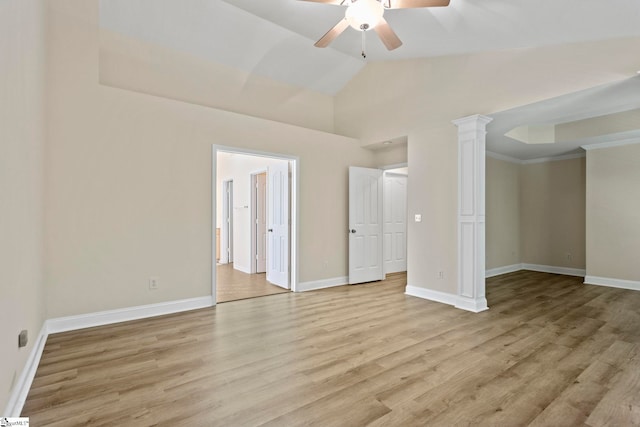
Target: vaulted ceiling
[275,38]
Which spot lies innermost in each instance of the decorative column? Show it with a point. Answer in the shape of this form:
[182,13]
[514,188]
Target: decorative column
[471,212]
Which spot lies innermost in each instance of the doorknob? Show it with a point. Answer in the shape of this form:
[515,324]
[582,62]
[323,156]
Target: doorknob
[353,230]
[270,230]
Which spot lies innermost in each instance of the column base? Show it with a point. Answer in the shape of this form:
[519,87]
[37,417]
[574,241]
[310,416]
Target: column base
[475,305]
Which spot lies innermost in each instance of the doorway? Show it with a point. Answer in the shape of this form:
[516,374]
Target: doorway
[395,220]
[377,222]
[263,220]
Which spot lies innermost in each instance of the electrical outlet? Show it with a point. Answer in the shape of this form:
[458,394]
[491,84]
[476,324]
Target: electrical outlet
[569,256]
[153,283]
[440,274]
[23,338]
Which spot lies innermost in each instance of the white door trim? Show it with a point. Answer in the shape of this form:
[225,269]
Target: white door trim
[295,208]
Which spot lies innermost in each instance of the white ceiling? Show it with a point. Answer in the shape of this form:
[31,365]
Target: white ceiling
[595,102]
[274,38]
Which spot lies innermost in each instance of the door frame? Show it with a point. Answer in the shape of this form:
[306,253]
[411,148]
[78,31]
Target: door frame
[294,162]
[254,213]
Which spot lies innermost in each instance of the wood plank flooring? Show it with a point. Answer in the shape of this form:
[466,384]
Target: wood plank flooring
[233,285]
[550,352]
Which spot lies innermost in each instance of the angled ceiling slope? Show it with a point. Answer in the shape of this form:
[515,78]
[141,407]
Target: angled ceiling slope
[606,113]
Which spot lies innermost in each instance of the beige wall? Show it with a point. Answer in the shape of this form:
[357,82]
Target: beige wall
[392,155]
[132,64]
[613,206]
[432,190]
[22,125]
[503,213]
[425,95]
[552,213]
[129,182]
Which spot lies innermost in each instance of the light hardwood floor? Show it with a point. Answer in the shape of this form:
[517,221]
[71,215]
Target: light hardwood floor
[233,285]
[550,351]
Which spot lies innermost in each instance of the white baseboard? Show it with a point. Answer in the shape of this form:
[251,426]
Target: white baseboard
[457,301]
[470,304]
[555,270]
[71,323]
[21,388]
[431,295]
[612,283]
[579,272]
[502,270]
[322,284]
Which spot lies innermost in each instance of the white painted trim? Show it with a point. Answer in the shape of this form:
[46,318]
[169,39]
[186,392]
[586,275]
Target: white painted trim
[475,305]
[395,166]
[21,388]
[463,303]
[503,270]
[72,323]
[502,157]
[555,270]
[612,283]
[471,211]
[431,295]
[295,211]
[322,284]
[536,267]
[611,144]
[554,159]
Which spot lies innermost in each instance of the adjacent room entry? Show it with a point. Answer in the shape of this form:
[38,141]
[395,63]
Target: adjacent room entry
[377,223]
[254,205]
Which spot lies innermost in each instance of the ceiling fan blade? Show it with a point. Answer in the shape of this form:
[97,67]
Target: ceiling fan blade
[408,4]
[332,33]
[338,2]
[387,35]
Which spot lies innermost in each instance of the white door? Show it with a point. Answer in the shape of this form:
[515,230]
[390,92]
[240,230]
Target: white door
[278,225]
[395,223]
[365,225]
[226,232]
[261,223]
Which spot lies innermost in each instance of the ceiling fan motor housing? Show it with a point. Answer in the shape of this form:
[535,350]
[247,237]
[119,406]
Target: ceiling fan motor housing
[364,15]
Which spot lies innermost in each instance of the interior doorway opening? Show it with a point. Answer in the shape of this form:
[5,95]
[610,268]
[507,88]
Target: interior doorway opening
[377,222]
[255,209]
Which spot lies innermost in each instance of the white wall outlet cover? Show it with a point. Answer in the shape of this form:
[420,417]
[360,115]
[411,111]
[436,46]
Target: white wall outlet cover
[418,218]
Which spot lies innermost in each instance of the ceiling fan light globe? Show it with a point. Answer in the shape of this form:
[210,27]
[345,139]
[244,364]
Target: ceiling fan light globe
[364,15]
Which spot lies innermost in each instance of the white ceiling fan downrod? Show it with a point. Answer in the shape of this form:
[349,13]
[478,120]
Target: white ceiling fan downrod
[364,40]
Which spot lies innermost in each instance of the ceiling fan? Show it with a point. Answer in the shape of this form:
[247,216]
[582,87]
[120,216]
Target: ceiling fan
[365,15]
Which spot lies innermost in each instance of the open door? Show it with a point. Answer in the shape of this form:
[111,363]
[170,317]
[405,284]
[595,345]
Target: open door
[365,225]
[395,223]
[278,221]
[260,222]
[226,233]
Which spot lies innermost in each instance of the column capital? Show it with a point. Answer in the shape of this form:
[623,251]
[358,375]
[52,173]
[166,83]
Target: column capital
[477,121]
